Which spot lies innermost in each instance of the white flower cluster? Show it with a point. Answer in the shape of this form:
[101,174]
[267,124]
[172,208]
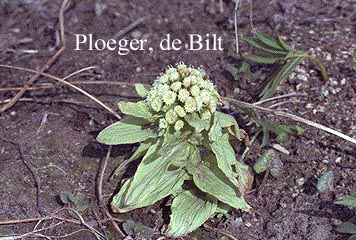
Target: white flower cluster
[179,91]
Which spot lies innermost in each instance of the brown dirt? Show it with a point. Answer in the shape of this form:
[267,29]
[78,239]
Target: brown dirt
[57,139]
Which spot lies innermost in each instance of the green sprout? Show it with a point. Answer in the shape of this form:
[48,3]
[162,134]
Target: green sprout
[347,227]
[277,51]
[185,149]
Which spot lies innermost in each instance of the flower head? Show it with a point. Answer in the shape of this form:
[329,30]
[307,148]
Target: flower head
[179,91]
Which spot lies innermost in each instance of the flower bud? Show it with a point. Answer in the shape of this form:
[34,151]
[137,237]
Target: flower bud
[178,125]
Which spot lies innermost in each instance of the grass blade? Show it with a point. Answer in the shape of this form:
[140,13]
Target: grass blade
[284,45]
[261,46]
[265,60]
[282,74]
[268,41]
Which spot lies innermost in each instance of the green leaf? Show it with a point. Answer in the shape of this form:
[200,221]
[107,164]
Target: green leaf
[353,237]
[140,151]
[189,211]
[269,160]
[216,130]
[262,59]
[196,122]
[212,180]
[245,177]
[151,182]
[354,65]
[178,153]
[126,131]
[278,77]
[228,121]
[347,227]
[284,44]
[261,46]
[222,208]
[347,201]
[137,230]
[142,89]
[225,156]
[137,109]
[326,182]
[267,40]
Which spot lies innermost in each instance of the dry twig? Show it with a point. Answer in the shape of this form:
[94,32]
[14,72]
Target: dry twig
[291,116]
[100,192]
[68,84]
[64,7]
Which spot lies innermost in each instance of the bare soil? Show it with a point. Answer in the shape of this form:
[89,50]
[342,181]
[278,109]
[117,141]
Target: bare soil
[47,140]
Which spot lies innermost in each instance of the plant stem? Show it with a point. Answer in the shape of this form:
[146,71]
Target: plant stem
[291,116]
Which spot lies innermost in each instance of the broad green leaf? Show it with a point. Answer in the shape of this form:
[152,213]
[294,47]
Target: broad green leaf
[228,121]
[225,156]
[140,151]
[142,89]
[347,201]
[137,109]
[347,227]
[261,46]
[150,183]
[268,40]
[216,130]
[168,184]
[126,131]
[212,180]
[189,211]
[152,180]
[196,122]
[179,153]
[262,59]
[326,182]
[278,77]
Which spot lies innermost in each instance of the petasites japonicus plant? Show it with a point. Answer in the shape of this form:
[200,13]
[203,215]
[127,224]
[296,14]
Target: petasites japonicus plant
[185,149]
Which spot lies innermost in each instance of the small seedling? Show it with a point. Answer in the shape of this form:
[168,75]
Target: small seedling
[277,51]
[185,145]
[269,161]
[347,227]
[75,201]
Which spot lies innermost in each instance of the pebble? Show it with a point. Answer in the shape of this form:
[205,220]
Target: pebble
[248,224]
[302,77]
[328,57]
[136,34]
[301,181]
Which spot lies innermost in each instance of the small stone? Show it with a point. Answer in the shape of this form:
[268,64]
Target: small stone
[343,81]
[338,160]
[248,224]
[136,34]
[301,181]
[328,57]
[302,77]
